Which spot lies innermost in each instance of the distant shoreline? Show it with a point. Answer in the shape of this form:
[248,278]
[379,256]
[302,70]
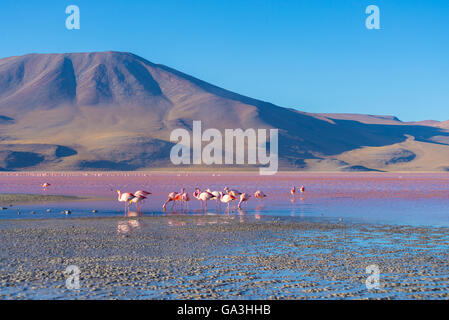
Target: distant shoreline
[202,170]
[20,198]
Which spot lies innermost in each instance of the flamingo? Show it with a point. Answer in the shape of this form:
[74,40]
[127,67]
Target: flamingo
[140,196]
[227,198]
[292,192]
[196,193]
[172,197]
[259,195]
[185,198]
[243,198]
[203,197]
[216,195]
[137,199]
[302,189]
[142,193]
[234,193]
[125,197]
[45,185]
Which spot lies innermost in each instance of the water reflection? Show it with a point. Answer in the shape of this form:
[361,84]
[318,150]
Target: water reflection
[176,223]
[126,227]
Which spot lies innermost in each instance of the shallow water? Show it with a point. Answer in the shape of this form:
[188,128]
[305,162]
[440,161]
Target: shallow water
[388,198]
[315,246]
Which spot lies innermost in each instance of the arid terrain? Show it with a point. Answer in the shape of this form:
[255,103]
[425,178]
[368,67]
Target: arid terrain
[115,111]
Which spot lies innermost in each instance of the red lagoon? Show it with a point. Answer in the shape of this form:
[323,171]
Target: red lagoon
[406,198]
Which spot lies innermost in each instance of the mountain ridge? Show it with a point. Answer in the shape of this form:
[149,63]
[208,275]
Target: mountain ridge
[116,110]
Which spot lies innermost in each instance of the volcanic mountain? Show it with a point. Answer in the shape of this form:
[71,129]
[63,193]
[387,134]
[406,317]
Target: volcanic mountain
[115,111]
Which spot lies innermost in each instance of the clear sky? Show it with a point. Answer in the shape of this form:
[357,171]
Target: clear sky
[314,55]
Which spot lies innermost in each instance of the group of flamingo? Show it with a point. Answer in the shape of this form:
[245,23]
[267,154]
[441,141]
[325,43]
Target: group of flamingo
[301,189]
[182,198]
[130,198]
[226,196]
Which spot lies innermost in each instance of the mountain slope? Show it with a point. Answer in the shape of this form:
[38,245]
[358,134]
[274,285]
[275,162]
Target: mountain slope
[113,110]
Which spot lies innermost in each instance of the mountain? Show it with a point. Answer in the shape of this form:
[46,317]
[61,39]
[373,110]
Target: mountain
[115,111]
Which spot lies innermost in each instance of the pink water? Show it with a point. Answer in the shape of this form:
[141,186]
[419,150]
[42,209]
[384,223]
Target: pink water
[392,198]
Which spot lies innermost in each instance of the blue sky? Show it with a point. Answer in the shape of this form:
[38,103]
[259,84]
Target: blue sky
[314,55]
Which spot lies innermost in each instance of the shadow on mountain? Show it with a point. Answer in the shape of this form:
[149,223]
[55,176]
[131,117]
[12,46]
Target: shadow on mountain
[400,156]
[63,151]
[6,120]
[19,160]
[313,135]
[359,169]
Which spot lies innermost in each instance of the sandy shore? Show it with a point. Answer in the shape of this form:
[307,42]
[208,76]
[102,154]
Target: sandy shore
[170,257]
[11,198]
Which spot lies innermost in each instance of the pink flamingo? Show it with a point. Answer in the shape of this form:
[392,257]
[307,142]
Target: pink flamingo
[142,193]
[216,197]
[203,197]
[138,198]
[45,185]
[172,197]
[185,198]
[233,193]
[243,198]
[259,195]
[292,192]
[180,197]
[302,189]
[125,197]
[227,198]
